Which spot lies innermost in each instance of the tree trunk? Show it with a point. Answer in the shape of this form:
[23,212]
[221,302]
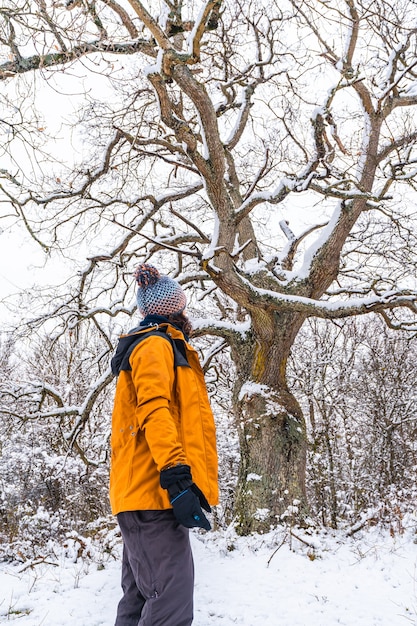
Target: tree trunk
[271,480]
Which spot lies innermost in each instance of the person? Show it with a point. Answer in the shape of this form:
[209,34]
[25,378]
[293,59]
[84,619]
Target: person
[163,456]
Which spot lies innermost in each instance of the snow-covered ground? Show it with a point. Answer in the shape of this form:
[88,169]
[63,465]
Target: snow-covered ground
[369,579]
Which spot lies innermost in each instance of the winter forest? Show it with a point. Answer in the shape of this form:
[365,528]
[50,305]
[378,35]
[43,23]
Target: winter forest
[264,154]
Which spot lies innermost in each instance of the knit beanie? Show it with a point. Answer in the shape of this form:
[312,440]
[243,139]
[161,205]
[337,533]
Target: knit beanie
[158,295]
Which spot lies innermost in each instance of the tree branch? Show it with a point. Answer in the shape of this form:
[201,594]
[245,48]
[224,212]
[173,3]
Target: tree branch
[147,19]
[331,309]
[198,94]
[125,18]
[39,61]
[243,118]
[160,243]
[273,197]
[200,27]
[396,145]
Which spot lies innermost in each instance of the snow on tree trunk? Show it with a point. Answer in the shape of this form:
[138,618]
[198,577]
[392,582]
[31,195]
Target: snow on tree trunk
[271,428]
[273,457]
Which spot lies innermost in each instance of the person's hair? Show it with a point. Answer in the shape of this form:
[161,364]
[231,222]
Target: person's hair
[182,321]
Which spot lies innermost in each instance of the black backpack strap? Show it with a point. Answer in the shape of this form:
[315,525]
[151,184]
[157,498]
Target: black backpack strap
[128,343]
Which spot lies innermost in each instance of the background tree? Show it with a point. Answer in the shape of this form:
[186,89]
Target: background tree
[357,383]
[54,444]
[264,153]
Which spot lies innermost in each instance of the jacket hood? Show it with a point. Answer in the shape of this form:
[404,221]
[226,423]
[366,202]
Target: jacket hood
[148,327]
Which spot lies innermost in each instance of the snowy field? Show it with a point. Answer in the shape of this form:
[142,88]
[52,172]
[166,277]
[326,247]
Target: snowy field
[369,579]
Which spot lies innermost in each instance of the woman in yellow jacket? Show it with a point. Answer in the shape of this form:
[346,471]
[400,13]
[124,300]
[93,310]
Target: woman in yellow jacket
[163,456]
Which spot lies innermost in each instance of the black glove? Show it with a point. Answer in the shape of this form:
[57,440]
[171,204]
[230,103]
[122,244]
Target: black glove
[186,498]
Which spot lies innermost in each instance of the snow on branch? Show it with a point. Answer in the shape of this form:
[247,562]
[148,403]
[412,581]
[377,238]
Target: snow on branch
[21,65]
[393,84]
[332,309]
[273,197]
[242,119]
[287,255]
[397,144]
[88,404]
[210,354]
[213,147]
[231,331]
[194,39]
[147,19]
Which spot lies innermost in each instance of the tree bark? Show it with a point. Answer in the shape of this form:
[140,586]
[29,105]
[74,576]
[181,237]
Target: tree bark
[272,436]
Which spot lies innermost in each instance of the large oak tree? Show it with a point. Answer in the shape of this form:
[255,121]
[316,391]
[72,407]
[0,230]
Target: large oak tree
[265,152]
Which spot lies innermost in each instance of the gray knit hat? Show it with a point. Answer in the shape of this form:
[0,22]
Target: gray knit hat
[159,295]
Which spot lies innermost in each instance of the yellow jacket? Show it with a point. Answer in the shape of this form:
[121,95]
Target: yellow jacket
[161,417]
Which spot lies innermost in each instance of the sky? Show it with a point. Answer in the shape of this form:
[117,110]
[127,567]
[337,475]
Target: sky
[22,267]
[20,261]
[369,579]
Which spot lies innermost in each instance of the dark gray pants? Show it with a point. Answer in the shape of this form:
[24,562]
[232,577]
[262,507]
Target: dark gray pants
[157,570]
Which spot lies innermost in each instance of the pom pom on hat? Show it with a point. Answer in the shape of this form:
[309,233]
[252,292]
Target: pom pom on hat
[146,275]
[158,295]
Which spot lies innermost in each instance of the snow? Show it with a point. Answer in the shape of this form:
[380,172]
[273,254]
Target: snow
[154,68]
[253,476]
[324,235]
[198,20]
[241,106]
[263,580]
[250,388]
[238,327]
[211,249]
[324,307]
[365,143]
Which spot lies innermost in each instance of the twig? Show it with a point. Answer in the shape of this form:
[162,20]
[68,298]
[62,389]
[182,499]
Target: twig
[276,550]
[156,242]
[38,561]
[304,541]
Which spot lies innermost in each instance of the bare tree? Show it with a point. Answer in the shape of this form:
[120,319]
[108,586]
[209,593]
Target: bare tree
[54,441]
[267,152]
[357,383]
